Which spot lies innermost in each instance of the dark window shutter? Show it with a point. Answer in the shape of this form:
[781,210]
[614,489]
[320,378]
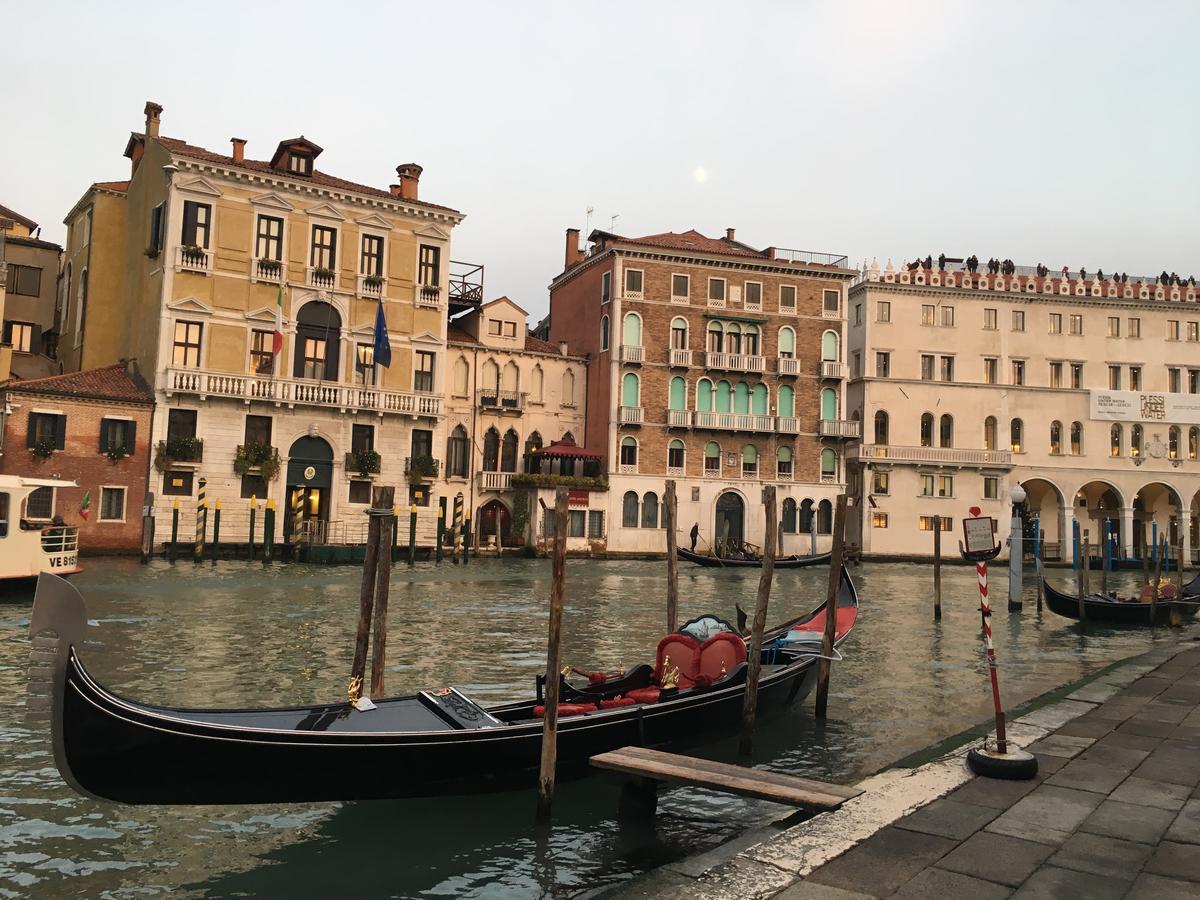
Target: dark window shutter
[35,338]
[130,436]
[60,432]
[189,223]
[105,427]
[31,431]
[8,332]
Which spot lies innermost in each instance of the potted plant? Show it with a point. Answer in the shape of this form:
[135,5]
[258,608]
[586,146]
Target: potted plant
[257,456]
[187,449]
[422,469]
[43,449]
[365,462]
[117,453]
[373,281]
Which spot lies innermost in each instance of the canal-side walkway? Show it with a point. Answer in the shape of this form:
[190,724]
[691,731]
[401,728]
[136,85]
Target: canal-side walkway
[1114,812]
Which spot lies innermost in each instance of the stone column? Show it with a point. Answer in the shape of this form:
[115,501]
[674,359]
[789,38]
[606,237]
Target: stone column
[1127,548]
[1068,547]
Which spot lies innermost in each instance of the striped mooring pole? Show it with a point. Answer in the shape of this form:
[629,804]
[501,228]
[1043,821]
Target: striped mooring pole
[297,521]
[441,528]
[201,522]
[986,612]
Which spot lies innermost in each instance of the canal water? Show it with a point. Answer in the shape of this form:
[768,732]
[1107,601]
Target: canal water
[239,634]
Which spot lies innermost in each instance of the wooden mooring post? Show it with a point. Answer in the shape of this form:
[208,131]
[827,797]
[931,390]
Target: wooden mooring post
[382,498]
[253,511]
[383,579]
[466,538]
[216,541]
[269,532]
[441,529]
[754,667]
[148,527]
[173,549]
[937,568]
[1160,552]
[1081,562]
[549,759]
[412,535]
[671,523]
[831,603]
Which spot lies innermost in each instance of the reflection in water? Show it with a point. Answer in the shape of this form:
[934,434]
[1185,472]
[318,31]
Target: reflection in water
[239,634]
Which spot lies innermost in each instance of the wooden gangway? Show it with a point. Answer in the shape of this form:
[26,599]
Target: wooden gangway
[648,767]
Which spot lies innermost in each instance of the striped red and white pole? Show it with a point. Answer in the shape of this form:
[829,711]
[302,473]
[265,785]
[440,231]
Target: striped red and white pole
[985,611]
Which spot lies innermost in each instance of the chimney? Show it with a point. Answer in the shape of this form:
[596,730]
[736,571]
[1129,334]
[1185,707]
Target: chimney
[410,177]
[239,149]
[153,114]
[562,348]
[729,234]
[573,254]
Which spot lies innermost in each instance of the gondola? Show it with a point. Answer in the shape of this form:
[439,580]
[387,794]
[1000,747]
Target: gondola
[435,742]
[781,562]
[1124,612]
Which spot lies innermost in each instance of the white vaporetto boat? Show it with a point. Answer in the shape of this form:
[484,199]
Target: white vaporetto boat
[29,546]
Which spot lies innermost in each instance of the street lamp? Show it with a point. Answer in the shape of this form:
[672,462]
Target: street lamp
[1016,551]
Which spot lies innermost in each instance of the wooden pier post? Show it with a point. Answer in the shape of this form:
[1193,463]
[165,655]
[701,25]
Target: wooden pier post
[549,760]
[381,501]
[441,529]
[1145,561]
[671,523]
[394,535]
[253,511]
[173,550]
[412,535]
[216,530]
[937,568]
[831,603]
[1159,553]
[466,536]
[754,656]
[147,527]
[269,532]
[201,523]
[1080,570]
[383,578]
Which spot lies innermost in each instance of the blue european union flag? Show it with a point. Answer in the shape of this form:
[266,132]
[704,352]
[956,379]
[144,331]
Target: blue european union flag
[383,347]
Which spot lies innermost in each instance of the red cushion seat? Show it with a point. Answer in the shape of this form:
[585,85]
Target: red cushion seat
[567,709]
[643,695]
[616,702]
[720,654]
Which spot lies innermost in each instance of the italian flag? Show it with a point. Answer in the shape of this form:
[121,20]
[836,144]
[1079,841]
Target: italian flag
[277,343]
[85,505]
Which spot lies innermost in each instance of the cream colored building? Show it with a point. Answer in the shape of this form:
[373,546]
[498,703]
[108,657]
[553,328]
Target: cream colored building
[28,282]
[182,268]
[509,396]
[1084,391]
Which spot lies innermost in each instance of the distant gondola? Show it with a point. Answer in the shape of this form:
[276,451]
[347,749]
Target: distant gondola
[1124,612]
[781,562]
[436,742]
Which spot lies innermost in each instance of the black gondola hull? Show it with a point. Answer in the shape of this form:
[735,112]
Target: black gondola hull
[1097,609]
[783,562]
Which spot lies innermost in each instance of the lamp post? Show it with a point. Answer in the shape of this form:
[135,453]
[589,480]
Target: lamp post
[1016,551]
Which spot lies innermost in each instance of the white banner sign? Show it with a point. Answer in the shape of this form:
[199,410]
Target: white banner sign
[1136,406]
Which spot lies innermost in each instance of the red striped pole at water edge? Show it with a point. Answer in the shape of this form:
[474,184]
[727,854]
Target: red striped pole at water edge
[985,611]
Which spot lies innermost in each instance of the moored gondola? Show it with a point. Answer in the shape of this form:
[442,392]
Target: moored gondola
[722,562]
[435,742]
[1125,611]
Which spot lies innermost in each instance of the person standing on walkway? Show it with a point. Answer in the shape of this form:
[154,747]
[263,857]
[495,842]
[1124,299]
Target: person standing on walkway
[695,535]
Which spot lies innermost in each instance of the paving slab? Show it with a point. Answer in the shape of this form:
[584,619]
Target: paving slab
[949,818]
[938,884]
[1048,815]
[1146,727]
[1053,883]
[1093,728]
[993,792]
[1186,827]
[1095,692]
[810,890]
[1064,745]
[1156,887]
[1161,795]
[1056,714]
[1176,861]
[881,864]
[1083,775]
[1101,855]
[996,857]
[739,879]
[1132,741]
[1162,712]
[1129,821]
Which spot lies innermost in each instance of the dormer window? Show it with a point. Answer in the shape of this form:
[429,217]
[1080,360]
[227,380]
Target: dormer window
[300,163]
[295,156]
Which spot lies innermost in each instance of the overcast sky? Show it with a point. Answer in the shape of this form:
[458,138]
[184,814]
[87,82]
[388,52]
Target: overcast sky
[1055,132]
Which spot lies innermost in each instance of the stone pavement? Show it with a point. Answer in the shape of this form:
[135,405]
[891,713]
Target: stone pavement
[1114,812]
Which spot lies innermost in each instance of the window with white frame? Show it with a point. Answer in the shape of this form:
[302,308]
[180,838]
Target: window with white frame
[112,504]
[883,311]
[633,281]
[716,290]
[787,298]
[268,241]
[753,295]
[680,287]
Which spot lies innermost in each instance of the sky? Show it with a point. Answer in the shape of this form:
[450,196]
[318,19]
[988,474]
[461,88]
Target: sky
[1056,132]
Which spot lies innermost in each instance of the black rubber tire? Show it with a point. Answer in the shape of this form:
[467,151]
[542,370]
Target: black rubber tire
[1016,765]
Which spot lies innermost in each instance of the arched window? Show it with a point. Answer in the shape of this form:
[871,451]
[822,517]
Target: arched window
[749,461]
[806,517]
[733,338]
[741,397]
[724,397]
[491,376]
[1114,440]
[758,399]
[462,377]
[81,312]
[677,397]
[456,453]
[567,438]
[783,463]
[1056,437]
[629,510]
[789,515]
[712,460]
[508,452]
[704,395]
[1076,438]
[787,400]
[568,388]
[946,431]
[66,301]
[318,341]
[650,510]
[491,450]
[829,404]
[510,377]
[676,457]
[824,517]
[927,429]
[1193,442]
[750,342]
[830,346]
[716,338]
[1135,440]
[679,333]
[630,389]
[629,452]
[603,333]
[787,348]
[631,334]
[881,428]
[533,444]
[536,384]
[828,465]
[1016,435]
[1173,442]
[989,433]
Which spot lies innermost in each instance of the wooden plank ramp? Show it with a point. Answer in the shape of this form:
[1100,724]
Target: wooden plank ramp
[656,765]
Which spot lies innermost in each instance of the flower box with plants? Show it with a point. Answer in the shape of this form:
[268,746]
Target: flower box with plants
[188,449]
[269,266]
[323,275]
[364,462]
[581,482]
[422,469]
[43,449]
[374,282]
[117,453]
[257,457]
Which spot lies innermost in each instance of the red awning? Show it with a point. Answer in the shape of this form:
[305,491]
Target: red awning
[560,450]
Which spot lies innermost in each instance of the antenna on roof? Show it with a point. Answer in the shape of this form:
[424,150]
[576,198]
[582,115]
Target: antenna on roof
[587,223]
[612,226]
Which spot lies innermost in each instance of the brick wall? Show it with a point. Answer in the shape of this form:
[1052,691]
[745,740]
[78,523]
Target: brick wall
[575,313]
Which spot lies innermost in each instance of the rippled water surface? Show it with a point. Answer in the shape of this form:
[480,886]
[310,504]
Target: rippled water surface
[239,634]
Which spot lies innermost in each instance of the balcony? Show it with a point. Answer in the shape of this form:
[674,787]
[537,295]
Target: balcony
[428,296]
[502,401]
[634,295]
[495,481]
[735,362]
[627,469]
[808,256]
[1000,459]
[684,299]
[193,259]
[723,421]
[466,286]
[363,462]
[840,428]
[680,359]
[716,302]
[271,271]
[833,370]
[633,354]
[292,392]
[631,415]
[827,313]
[320,278]
[675,472]
[789,365]
[370,286]
[679,418]
[787,424]
[179,450]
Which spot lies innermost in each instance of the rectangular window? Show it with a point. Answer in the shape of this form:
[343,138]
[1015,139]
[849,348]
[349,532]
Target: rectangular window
[181,425]
[24,280]
[39,505]
[312,364]
[156,229]
[1173,380]
[1135,328]
[429,269]
[1077,375]
[605,287]
[928,523]
[262,359]
[178,482]
[421,442]
[1114,326]
[268,241]
[576,521]
[423,373]
[1056,371]
[753,295]
[832,302]
[1194,381]
[883,365]
[926,367]
[991,317]
[258,430]
[787,298]
[323,253]
[112,504]
[857,313]
[1076,324]
[299,163]
[680,286]
[1135,378]
[1114,378]
[716,289]
[362,438]
[116,436]
[1172,329]
[879,520]
[364,364]
[19,335]
[947,368]
[510,329]
[197,224]
[991,487]
[1018,320]
[494,327]
[253,486]
[360,491]
[186,350]
[883,311]
[371,259]
[948,316]
[991,367]
[855,363]
[633,285]
[1193,331]
[1018,371]
[945,485]
[595,523]
[880,483]
[47,429]
[1056,323]
[928,314]
[927,485]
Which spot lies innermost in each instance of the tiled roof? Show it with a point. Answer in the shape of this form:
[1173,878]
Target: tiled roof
[108,383]
[694,240]
[33,242]
[6,213]
[456,335]
[537,345]
[183,148]
[113,185]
